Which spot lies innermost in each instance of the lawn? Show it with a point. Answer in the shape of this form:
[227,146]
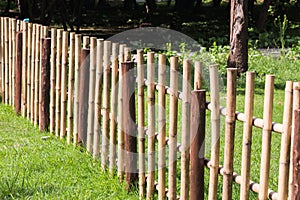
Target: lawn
[36,165]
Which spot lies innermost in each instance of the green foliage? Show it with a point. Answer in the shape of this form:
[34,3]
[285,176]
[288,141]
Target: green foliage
[282,25]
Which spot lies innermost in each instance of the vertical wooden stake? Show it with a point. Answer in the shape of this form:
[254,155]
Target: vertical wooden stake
[13,58]
[173,115]
[29,46]
[229,133]
[32,72]
[198,74]
[141,123]
[10,59]
[247,135]
[2,58]
[151,124]
[85,42]
[6,60]
[37,75]
[18,88]
[91,109]
[285,142]
[185,145]
[296,106]
[162,126]
[98,98]
[45,85]
[296,157]
[24,68]
[266,140]
[120,117]
[197,141]
[106,104]
[114,107]
[53,79]
[63,100]
[76,87]
[83,96]
[58,81]
[129,124]
[215,132]
[71,88]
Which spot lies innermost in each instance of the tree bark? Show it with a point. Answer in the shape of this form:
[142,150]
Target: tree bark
[263,15]
[238,55]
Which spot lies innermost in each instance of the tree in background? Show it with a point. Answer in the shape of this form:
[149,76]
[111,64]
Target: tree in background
[238,54]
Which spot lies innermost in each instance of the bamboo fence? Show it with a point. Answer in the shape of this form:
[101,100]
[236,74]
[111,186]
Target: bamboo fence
[84,89]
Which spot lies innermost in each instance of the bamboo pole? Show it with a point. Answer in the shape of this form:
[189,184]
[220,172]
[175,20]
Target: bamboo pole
[247,135]
[285,142]
[114,108]
[151,124]
[296,106]
[141,123]
[32,72]
[2,60]
[18,72]
[266,140]
[86,42]
[127,53]
[71,88]
[29,57]
[76,87]
[6,59]
[229,133]
[90,131]
[185,143]
[162,126]
[24,69]
[45,85]
[294,193]
[63,100]
[58,82]
[37,75]
[197,76]
[120,117]
[215,132]
[53,79]
[106,102]
[173,128]
[83,96]
[10,59]
[13,58]
[128,87]
[98,98]
[197,137]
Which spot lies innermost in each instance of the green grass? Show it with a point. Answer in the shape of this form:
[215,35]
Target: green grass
[35,168]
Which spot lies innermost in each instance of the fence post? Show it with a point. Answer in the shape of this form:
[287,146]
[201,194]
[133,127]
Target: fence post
[45,85]
[83,96]
[18,72]
[130,132]
[295,193]
[229,133]
[197,136]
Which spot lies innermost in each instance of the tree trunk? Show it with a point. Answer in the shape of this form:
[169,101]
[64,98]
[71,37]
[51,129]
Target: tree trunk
[263,15]
[238,55]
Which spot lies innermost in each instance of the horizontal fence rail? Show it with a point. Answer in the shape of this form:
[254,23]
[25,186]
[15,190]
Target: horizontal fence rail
[90,92]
